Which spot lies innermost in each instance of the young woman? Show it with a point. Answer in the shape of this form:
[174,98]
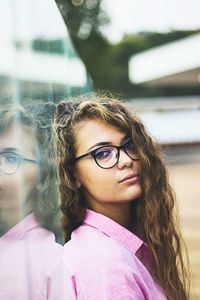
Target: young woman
[29,256]
[122,236]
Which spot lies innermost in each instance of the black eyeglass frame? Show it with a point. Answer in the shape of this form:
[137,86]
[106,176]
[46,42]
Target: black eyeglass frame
[20,160]
[92,153]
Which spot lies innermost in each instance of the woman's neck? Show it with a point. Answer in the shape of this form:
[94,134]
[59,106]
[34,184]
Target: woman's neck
[118,212]
[10,217]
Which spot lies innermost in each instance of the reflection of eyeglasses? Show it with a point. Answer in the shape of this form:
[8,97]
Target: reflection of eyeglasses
[107,157]
[10,162]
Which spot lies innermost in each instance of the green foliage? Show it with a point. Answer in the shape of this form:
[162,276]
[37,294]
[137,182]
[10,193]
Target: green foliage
[59,46]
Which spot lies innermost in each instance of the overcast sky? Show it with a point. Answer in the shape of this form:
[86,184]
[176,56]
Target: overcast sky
[130,16]
[28,18]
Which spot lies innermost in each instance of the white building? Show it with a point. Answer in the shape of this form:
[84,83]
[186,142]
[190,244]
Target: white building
[174,120]
[175,63]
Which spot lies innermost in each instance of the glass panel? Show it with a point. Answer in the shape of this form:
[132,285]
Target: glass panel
[37,57]
[38,67]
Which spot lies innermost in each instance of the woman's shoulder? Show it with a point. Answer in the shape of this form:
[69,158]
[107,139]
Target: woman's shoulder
[98,264]
[89,245]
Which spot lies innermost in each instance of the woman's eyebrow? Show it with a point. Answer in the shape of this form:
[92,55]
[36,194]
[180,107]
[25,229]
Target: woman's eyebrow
[100,144]
[124,138]
[9,150]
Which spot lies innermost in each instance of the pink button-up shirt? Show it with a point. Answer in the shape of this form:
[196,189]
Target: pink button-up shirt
[107,262]
[30,263]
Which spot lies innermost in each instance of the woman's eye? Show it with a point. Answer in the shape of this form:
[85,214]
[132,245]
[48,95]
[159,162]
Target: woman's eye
[130,147]
[11,158]
[103,153]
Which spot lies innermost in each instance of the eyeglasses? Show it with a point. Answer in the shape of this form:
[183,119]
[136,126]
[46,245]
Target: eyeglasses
[107,157]
[10,162]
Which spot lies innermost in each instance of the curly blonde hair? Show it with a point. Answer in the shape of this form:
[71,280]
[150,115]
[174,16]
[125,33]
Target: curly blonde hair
[154,213]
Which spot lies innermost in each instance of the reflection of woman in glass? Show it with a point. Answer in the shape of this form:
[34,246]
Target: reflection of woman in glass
[28,251]
[117,204]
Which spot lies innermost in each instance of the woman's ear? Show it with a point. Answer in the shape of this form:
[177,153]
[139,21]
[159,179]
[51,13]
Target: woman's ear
[77,181]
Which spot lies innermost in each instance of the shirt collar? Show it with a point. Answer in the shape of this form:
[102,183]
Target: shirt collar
[18,231]
[113,230]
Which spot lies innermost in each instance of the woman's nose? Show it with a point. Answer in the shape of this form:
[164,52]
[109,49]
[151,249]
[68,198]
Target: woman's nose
[124,160]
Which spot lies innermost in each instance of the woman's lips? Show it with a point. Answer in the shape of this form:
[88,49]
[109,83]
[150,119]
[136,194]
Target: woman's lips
[129,179]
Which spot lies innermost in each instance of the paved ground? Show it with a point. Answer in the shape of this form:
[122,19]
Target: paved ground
[185,178]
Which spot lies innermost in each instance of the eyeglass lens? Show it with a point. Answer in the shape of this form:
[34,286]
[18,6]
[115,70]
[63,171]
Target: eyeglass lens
[9,162]
[107,157]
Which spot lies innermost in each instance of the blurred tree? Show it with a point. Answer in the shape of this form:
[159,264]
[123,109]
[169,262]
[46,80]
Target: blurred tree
[83,20]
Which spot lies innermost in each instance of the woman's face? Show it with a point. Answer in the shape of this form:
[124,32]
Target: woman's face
[105,185]
[17,189]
